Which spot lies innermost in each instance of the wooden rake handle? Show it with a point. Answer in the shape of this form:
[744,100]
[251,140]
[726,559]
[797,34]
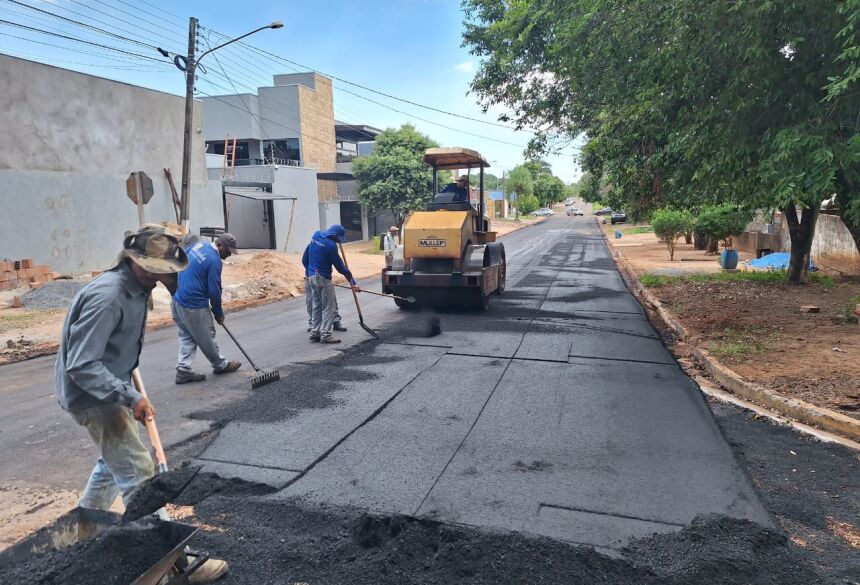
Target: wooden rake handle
[151,428]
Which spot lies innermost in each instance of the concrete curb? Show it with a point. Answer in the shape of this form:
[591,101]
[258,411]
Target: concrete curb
[792,408]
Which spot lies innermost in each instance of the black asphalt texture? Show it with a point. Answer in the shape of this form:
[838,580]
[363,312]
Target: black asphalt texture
[550,439]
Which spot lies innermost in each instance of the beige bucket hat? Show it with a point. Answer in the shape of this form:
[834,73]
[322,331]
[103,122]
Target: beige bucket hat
[155,249]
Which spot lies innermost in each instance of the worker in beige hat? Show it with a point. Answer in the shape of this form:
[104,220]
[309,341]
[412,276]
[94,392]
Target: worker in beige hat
[389,244]
[99,348]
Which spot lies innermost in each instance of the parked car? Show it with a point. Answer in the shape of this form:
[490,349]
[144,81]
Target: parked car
[618,217]
[543,211]
[604,211]
[574,211]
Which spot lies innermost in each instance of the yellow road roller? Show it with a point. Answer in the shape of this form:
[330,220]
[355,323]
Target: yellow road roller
[447,254]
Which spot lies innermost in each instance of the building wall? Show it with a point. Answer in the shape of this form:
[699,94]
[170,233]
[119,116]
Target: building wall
[317,127]
[832,239]
[71,141]
[229,114]
[279,108]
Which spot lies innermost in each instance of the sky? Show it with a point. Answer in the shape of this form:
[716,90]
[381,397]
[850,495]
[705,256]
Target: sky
[406,48]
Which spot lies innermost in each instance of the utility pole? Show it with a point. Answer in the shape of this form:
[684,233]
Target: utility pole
[190,67]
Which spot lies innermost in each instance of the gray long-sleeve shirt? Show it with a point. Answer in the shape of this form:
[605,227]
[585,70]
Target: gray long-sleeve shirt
[101,342]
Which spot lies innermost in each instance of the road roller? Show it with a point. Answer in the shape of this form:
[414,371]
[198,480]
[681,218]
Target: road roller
[447,254]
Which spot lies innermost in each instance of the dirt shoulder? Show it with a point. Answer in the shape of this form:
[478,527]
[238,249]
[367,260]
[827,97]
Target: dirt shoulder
[756,328]
[252,278]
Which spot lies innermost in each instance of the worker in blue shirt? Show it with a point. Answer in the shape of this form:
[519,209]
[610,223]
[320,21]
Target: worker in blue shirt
[337,320]
[460,188]
[319,258]
[196,302]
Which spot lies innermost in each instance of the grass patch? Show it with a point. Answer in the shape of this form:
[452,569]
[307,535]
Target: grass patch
[778,276]
[18,321]
[743,342]
[637,229]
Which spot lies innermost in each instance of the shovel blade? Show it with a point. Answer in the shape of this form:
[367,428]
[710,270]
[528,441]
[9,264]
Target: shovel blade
[158,490]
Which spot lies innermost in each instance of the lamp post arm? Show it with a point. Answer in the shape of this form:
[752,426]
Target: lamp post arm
[232,41]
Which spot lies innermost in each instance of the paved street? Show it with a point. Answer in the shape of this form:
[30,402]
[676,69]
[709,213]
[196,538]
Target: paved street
[557,412]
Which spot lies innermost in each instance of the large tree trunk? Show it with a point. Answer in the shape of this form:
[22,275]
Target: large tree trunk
[846,193]
[700,241]
[801,232]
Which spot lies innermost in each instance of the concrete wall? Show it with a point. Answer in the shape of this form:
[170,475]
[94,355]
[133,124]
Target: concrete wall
[291,182]
[229,114]
[832,239]
[279,107]
[71,141]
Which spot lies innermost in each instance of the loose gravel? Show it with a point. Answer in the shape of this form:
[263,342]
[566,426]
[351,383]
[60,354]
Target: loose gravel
[52,295]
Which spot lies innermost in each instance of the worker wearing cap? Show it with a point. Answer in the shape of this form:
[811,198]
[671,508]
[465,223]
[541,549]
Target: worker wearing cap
[322,255]
[389,243]
[197,306]
[337,320]
[460,188]
[99,348]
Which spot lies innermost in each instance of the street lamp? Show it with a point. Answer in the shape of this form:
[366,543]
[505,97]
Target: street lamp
[189,66]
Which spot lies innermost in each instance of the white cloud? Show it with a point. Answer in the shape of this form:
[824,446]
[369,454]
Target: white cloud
[465,67]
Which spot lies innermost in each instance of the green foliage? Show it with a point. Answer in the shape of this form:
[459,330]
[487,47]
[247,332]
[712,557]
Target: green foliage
[520,181]
[775,277]
[686,103]
[638,229]
[548,189]
[723,222]
[491,181]
[669,225]
[394,176]
[527,204]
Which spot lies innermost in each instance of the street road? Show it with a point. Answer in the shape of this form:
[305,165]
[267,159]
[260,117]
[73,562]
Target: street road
[558,411]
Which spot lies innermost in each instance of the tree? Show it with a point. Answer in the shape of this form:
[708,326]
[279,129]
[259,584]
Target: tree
[687,103]
[491,181]
[527,203]
[723,222]
[394,177]
[520,181]
[669,225]
[548,189]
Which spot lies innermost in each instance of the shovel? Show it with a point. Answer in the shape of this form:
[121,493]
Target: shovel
[370,292]
[355,297]
[166,485]
[262,378]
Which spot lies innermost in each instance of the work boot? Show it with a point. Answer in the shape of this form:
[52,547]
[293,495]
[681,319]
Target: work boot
[314,337]
[330,339]
[339,326]
[184,377]
[230,367]
[210,571]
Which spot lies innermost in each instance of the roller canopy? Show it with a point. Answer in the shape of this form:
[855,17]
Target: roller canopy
[454,158]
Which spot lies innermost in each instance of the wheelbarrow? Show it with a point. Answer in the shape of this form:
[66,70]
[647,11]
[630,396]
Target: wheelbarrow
[82,523]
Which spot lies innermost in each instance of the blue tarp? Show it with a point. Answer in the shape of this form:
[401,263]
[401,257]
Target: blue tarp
[776,261]
[497,195]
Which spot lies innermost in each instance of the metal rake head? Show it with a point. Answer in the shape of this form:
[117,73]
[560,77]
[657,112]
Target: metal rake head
[265,378]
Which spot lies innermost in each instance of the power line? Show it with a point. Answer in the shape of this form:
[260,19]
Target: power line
[77,40]
[81,24]
[375,91]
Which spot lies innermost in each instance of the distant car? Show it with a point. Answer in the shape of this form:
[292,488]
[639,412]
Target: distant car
[543,211]
[568,202]
[604,211]
[618,216]
[574,211]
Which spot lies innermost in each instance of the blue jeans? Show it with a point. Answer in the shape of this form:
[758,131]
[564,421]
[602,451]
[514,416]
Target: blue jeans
[196,329]
[323,305]
[124,461]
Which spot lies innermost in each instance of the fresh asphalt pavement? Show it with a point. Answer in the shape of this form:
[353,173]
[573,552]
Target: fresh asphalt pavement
[558,411]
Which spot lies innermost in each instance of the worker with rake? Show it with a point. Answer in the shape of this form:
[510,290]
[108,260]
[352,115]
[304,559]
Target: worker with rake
[319,258]
[197,306]
[337,320]
[99,348]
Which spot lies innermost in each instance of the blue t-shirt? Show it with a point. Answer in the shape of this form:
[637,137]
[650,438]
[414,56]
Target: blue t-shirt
[320,255]
[462,193]
[200,283]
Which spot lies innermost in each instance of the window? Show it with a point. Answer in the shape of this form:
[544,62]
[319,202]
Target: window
[287,149]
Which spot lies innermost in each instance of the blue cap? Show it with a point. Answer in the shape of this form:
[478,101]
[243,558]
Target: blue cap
[337,232]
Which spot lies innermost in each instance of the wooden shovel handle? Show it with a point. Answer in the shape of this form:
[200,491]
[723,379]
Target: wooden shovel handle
[354,295]
[151,429]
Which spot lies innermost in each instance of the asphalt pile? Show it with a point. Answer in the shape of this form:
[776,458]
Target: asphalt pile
[155,492]
[119,555]
[292,542]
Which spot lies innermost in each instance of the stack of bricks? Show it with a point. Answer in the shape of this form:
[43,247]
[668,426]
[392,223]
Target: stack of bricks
[23,274]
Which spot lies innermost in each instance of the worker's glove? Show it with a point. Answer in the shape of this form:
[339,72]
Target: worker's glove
[143,411]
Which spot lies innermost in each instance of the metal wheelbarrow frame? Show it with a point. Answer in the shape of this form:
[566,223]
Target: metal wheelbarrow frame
[82,523]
